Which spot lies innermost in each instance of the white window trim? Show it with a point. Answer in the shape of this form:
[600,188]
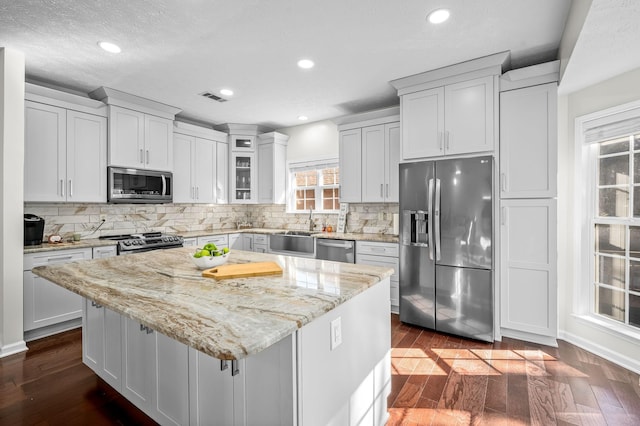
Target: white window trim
[584,200]
[315,164]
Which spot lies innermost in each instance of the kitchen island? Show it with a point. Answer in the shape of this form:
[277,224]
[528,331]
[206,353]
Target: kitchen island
[314,342]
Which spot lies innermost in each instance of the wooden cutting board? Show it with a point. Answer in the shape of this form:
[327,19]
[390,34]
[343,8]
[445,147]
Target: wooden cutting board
[241,270]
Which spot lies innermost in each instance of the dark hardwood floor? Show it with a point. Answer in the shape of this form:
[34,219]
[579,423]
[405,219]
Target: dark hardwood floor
[437,380]
[445,380]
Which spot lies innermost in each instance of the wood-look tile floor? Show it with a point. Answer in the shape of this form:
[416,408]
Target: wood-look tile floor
[439,379]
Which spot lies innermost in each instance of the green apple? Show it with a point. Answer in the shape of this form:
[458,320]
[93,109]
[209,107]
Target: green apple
[225,250]
[210,247]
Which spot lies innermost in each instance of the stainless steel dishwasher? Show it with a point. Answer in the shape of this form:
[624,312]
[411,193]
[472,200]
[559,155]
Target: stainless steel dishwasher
[338,250]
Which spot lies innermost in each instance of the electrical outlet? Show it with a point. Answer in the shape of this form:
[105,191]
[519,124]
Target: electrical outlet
[336,333]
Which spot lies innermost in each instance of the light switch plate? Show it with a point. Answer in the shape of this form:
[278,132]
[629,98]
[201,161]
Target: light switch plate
[336,333]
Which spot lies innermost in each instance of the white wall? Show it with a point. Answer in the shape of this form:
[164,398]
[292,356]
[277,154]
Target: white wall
[616,91]
[11,200]
[312,141]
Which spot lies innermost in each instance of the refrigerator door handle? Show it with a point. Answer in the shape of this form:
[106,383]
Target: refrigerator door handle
[436,219]
[430,218]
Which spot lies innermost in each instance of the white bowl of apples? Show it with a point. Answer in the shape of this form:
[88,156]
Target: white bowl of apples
[209,256]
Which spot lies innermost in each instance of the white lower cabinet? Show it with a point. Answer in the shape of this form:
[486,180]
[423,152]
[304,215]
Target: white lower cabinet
[382,254]
[528,283]
[236,242]
[220,241]
[260,243]
[102,342]
[45,303]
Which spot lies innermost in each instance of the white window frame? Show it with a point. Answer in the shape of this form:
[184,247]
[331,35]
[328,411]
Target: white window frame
[301,165]
[585,176]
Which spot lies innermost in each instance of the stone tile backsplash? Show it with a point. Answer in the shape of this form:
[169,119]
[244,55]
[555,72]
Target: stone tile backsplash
[66,219]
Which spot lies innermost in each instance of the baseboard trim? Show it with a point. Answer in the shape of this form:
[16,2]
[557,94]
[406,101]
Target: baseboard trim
[50,330]
[13,348]
[529,337]
[603,352]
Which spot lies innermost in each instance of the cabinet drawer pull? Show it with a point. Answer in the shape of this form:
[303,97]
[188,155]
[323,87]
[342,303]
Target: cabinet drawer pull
[146,329]
[235,370]
[58,259]
[96,305]
[224,364]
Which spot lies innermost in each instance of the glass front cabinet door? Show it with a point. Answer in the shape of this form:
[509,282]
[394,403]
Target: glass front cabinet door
[243,176]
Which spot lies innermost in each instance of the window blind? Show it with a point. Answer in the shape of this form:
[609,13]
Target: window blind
[605,128]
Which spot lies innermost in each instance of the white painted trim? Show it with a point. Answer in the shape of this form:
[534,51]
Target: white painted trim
[65,100]
[199,131]
[13,348]
[528,337]
[602,351]
[125,100]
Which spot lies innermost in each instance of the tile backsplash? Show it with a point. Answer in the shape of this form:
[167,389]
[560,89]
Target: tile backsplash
[66,219]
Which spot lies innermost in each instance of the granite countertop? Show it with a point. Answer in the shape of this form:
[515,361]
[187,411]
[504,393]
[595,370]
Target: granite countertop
[88,243]
[227,319]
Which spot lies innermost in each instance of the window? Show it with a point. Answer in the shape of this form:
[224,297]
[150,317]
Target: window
[611,161]
[314,186]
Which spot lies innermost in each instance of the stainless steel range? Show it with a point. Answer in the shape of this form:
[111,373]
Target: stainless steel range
[138,243]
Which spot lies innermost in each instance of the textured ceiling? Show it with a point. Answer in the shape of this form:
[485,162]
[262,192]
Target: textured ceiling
[608,45]
[174,50]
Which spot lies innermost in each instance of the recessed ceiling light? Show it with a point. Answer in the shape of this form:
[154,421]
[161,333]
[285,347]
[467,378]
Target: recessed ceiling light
[109,47]
[303,118]
[226,92]
[305,63]
[438,16]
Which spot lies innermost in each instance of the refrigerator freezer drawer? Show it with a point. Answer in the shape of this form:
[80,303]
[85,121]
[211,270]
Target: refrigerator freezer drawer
[464,302]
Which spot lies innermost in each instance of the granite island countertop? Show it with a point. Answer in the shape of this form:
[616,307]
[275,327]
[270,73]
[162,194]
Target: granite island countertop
[227,319]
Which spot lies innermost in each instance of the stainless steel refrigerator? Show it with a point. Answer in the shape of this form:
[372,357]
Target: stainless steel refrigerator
[446,263]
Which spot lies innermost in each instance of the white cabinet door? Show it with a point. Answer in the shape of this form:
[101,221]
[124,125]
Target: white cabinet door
[106,251]
[86,157]
[350,146]
[220,241]
[138,365]
[373,164]
[469,116]
[528,266]
[236,242]
[172,373]
[112,367]
[222,173]
[101,342]
[392,168]
[423,124]
[158,143]
[183,187]
[528,142]
[126,137]
[46,303]
[265,172]
[247,242]
[382,254]
[211,390]
[44,140]
[205,170]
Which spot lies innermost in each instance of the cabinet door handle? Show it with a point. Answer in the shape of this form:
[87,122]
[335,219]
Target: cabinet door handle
[197,192]
[503,181]
[141,156]
[235,370]
[447,137]
[70,188]
[147,156]
[387,190]
[146,329]
[224,364]
[503,216]
[62,187]
[381,185]
[96,305]
[440,139]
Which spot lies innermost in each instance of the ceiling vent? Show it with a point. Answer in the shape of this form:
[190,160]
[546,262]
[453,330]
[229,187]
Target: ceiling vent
[213,97]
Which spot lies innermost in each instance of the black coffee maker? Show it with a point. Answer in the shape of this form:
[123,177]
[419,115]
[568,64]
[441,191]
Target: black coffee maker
[33,229]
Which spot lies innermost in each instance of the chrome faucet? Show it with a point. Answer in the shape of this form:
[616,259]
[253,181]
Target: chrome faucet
[311,224]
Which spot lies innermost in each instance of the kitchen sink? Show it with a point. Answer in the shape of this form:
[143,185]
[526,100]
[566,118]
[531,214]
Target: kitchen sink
[294,243]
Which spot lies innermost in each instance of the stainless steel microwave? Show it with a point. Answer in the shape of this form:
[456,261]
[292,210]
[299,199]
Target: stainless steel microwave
[139,186]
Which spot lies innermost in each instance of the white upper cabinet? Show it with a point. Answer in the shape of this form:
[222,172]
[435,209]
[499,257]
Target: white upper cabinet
[272,168]
[450,110]
[380,157]
[350,146]
[139,140]
[140,131]
[65,154]
[454,119]
[423,124]
[196,178]
[528,142]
